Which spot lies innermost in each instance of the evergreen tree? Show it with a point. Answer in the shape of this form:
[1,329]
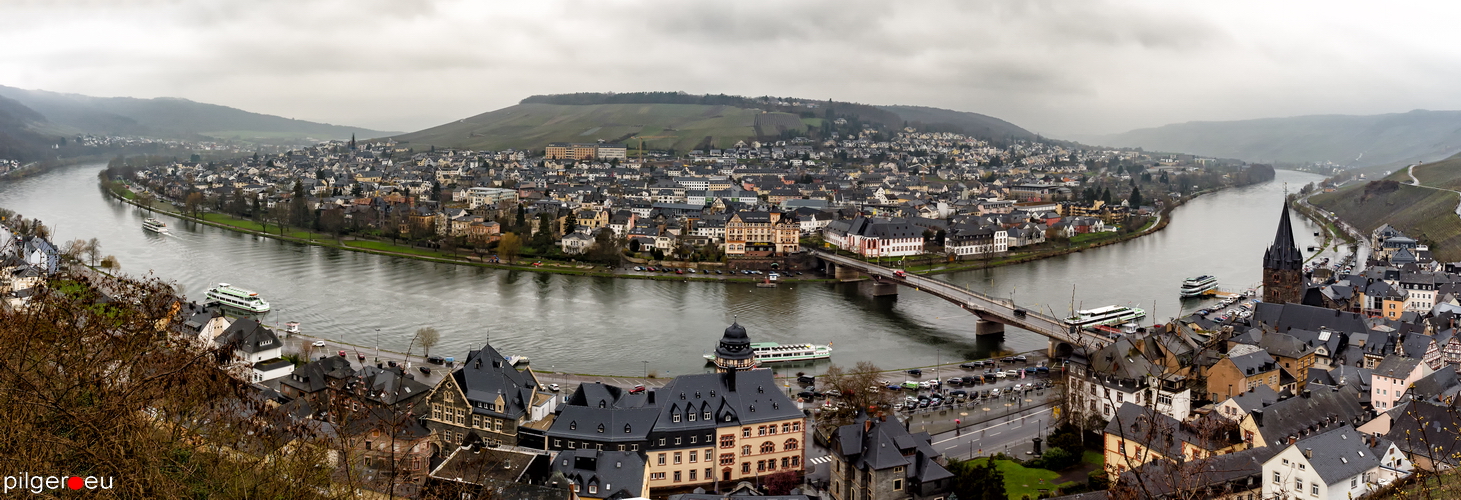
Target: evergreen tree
[1106,195]
[1135,200]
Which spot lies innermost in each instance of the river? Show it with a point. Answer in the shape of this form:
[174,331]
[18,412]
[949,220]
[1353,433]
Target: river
[611,326]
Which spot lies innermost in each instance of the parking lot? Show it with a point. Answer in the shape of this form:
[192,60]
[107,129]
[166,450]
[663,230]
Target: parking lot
[712,273]
[1009,379]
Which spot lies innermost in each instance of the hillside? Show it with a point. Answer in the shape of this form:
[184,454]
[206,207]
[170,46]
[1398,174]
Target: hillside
[1426,214]
[1350,140]
[17,140]
[673,120]
[167,118]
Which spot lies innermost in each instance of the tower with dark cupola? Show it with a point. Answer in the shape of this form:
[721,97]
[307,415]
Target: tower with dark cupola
[734,352]
[1283,265]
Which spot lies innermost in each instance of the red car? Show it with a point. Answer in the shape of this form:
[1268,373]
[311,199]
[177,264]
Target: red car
[899,273]
[637,389]
[342,354]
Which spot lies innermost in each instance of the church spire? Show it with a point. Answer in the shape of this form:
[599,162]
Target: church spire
[1283,254]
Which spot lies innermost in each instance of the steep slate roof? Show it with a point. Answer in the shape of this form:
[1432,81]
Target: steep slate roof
[1428,430]
[1302,415]
[247,335]
[617,474]
[1340,453]
[870,444]
[1160,478]
[1397,367]
[486,375]
[617,424]
[314,376]
[746,397]
[1440,385]
[1282,317]
[1283,254]
[1256,397]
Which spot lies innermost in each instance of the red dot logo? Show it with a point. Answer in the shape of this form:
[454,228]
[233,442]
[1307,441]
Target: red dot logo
[75,483]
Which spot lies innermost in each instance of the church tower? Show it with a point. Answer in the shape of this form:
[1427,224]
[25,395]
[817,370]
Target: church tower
[734,351]
[1283,265]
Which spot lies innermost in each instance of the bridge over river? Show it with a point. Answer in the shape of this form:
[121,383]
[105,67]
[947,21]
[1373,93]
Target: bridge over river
[993,312]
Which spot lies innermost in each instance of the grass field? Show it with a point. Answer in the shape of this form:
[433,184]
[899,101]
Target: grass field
[1020,481]
[387,247]
[533,126]
[1445,174]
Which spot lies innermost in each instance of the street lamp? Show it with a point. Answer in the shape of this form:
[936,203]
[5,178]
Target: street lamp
[646,368]
[377,345]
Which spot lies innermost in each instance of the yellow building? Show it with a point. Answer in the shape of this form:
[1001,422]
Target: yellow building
[698,429]
[761,233]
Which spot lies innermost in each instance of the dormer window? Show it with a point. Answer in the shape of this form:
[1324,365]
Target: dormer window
[705,415]
[601,428]
[626,428]
[691,415]
[573,425]
[674,417]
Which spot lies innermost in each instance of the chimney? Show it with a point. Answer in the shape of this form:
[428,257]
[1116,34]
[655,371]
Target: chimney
[867,425]
[1258,418]
[1305,394]
[1308,453]
[1293,439]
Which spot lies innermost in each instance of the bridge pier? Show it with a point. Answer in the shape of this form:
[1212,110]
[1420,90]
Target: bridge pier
[985,327]
[847,273]
[1059,349]
[878,289]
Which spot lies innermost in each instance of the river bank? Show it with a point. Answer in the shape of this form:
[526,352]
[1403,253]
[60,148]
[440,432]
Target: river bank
[573,268]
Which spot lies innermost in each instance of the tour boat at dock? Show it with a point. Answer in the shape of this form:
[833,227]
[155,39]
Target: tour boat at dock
[1109,315]
[771,352]
[1196,287]
[238,298]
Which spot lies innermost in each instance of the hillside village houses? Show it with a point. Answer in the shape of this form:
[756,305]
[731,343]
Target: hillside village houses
[916,192]
[1347,397]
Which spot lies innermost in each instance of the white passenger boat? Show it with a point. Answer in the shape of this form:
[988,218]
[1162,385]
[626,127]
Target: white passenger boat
[238,298]
[1195,287]
[771,352]
[1109,315]
[154,225]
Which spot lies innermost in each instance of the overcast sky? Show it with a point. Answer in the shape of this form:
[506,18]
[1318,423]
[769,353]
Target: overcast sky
[1055,67]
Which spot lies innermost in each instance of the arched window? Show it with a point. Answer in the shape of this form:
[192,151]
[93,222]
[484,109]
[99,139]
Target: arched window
[768,447]
[790,444]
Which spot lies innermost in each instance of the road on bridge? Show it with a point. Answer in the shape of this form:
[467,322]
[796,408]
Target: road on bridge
[986,307]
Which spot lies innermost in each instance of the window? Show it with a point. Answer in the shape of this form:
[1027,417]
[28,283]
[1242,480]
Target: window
[692,471]
[790,444]
[745,467]
[657,476]
[785,462]
[661,441]
[661,458]
[1298,484]
[557,443]
[1353,482]
[677,476]
[1277,478]
[708,454]
[705,415]
[768,447]
[745,450]
[746,432]
[796,461]
[675,417]
[693,454]
[771,464]
[760,466]
[677,440]
[1303,467]
[476,421]
[1314,489]
[897,485]
[727,459]
[727,441]
[761,431]
[772,429]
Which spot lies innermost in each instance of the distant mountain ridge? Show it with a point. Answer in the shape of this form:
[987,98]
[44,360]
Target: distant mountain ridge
[1351,140]
[681,121]
[165,117]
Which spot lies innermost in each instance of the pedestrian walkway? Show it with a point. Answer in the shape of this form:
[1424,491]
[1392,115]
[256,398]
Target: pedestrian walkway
[820,460]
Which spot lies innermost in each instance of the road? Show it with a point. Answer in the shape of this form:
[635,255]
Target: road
[1416,182]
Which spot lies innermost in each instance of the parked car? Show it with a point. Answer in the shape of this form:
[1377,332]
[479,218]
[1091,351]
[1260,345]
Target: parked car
[361,357]
[1042,369]
[834,393]
[1021,358]
[970,365]
[910,385]
[1030,370]
[955,381]
[1000,374]
[971,380]
[893,387]
[318,343]
[553,387]
[915,372]
[994,393]
[805,395]
[637,389]
[435,360]
[425,370]
[391,364]
[342,353]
